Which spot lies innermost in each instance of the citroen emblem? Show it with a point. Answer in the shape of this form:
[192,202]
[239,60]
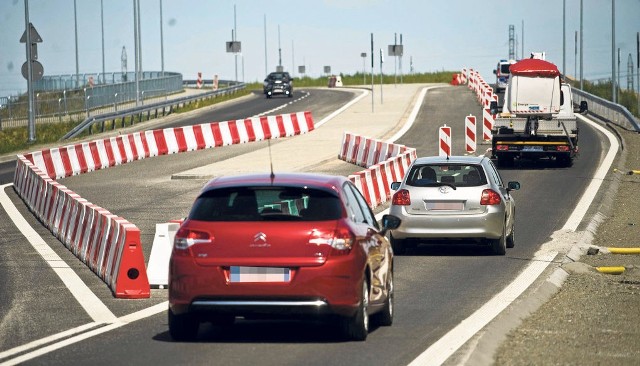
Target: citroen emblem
[260,240]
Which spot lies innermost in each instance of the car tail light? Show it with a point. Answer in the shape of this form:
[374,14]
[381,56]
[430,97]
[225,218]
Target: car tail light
[490,197]
[341,240]
[401,198]
[185,238]
[502,147]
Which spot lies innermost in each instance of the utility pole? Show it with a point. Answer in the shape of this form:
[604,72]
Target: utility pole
[564,37]
[581,44]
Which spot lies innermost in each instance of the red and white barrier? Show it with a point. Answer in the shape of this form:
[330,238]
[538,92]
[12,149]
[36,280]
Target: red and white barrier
[487,124]
[366,152]
[106,243]
[199,80]
[444,137]
[385,163]
[470,134]
[375,182]
[85,157]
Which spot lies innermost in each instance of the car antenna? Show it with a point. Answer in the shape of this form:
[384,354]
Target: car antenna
[270,161]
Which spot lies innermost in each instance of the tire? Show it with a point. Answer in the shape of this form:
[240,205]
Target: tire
[183,327]
[385,317]
[356,328]
[399,246]
[505,160]
[511,239]
[499,245]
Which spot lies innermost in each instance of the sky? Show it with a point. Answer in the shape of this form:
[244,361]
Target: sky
[436,36]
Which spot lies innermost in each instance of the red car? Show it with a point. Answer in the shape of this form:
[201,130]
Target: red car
[281,245]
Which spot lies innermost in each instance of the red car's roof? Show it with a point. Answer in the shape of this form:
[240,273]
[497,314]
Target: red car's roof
[332,182]
[534,67]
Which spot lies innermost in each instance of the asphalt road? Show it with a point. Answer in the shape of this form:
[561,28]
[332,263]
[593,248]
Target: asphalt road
[436,286]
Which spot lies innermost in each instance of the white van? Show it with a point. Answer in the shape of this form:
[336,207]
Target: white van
[502,74]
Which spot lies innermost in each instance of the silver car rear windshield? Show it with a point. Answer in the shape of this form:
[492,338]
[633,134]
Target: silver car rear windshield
[460,175]
[266,204]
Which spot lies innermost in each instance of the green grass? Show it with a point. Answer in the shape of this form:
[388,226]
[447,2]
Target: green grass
[16,139]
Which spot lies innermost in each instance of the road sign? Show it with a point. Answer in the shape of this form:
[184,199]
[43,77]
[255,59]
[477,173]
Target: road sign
[37,70]
[234,47]
[33,35]
[327,69]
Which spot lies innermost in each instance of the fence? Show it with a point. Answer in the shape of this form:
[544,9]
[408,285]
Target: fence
[54,102]
[607,110]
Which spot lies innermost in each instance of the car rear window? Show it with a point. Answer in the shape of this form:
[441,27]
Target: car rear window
[266,204]
[461,175]
[504,69]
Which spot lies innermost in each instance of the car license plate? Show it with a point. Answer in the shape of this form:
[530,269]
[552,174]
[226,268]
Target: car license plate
[259,274]
[532,148]
[449,206]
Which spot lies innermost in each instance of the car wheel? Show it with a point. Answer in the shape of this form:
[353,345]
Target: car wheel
[183,327]
[511,239]
[385,317]
[399,246]
[356,328]
[499,245]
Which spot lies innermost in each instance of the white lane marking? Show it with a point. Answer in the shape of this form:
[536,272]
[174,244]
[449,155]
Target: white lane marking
[46,340]
[413,115]
[282,106]
[587,197]
[441,350]
[341,109]
[120,322]
[96,309]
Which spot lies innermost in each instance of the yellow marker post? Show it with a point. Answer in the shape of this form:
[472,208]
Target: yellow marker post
[611,270]
[624,250]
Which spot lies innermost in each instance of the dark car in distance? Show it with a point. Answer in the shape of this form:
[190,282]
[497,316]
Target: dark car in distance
[278,83]
[293,245]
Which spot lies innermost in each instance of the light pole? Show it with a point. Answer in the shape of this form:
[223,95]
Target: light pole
[364,58]
[161,44]
[104,74]
[613,52]
[75,19]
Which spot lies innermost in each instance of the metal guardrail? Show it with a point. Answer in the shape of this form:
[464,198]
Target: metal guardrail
[141,110]
[607,110]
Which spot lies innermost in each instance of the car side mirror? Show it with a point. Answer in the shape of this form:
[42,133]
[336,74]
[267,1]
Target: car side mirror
[513,186]
[395,186]
[389,222]
[495,72]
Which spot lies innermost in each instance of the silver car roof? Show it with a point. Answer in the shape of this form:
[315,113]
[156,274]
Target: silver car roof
[451,159]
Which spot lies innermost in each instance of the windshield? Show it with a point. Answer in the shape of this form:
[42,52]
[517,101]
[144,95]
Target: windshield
[504,68]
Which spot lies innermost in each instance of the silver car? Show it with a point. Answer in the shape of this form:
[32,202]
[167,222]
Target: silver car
[456,198]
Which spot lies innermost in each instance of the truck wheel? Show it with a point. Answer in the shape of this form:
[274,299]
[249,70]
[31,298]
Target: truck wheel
[505,160]
[564,161]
